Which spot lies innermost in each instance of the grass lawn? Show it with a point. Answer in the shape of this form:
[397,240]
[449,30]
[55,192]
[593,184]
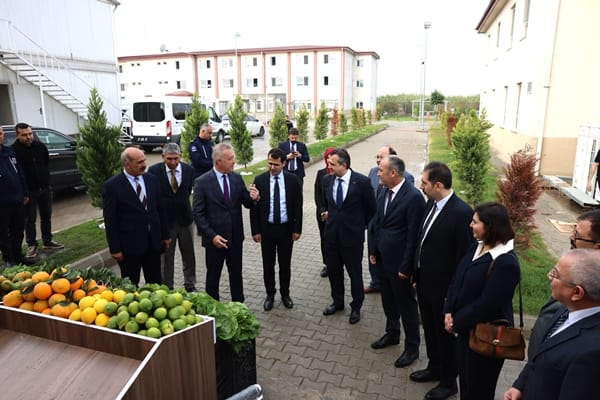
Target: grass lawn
[535,260]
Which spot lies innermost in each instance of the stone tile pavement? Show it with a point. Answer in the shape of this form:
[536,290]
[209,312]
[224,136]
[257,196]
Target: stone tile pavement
[302,354]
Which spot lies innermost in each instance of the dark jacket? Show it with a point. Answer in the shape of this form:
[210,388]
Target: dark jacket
[34,161]
[200,152]
[12,181]
[177,205]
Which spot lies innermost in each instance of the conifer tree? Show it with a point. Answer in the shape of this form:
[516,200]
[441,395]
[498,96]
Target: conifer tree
[321,122]
[241,138]
[343,123]
[191,126]
[302,123]
[354,122]
[98,149]
[278,130]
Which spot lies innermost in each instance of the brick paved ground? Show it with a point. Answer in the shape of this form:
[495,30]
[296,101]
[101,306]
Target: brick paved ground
[302,354]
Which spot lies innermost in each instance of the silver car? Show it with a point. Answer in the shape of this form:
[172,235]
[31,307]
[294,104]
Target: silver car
[256,127]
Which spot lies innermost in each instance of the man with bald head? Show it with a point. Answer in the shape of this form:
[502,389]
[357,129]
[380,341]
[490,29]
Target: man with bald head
[135,219]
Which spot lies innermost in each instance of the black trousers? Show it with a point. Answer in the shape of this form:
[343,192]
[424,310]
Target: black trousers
[337,258]
[440,344]
[39,200]
[12,223]
[277,242]
[149,262]
[478,375]
[215,258]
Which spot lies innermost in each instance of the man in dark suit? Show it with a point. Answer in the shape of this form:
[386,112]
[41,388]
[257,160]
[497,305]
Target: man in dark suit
[135,219]
[296,154]
[444,238]
[176,180]
[217,209]
[565,365]
[200,150]
[394,229]
[276,224]
[350,205]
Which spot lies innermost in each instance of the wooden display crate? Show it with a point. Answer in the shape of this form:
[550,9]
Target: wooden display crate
[45,357]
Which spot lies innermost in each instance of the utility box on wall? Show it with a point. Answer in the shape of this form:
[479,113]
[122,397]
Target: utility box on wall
[588,145]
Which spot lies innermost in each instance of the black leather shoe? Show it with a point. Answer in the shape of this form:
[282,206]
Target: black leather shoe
[287,302]
[441,392]
[332,309]
[407,358]
[268,304]
[324,272]
[354,316]
[424,375]
[386,340]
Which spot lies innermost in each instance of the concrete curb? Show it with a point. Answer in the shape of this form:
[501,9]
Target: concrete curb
[97,260]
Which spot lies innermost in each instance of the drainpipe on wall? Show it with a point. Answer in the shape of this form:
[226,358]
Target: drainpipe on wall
[552,23]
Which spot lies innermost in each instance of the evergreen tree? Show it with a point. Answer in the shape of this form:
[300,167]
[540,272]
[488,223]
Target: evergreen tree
[321,122]
[472,151]
[98,149]
[241,138]
[354,122]
[278,130]
[191,126]
[436,100]
[369,117]
[343,123]
[302,123]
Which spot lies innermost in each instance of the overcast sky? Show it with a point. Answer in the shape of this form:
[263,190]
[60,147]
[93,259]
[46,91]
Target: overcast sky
[392,29]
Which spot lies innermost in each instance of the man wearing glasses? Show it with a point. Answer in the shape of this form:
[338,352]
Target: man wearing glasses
[565,364]
[585,235]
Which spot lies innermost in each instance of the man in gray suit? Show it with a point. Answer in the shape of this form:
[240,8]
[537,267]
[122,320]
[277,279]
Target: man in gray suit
[217,208]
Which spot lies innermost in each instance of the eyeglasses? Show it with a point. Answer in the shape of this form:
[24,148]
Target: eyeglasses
[576,238]
[554,274]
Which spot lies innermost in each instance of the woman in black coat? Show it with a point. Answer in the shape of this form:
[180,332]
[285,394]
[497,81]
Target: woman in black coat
[474,296]
[320,203]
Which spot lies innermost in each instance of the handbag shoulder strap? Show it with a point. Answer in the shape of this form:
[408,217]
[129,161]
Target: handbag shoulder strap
[489,271]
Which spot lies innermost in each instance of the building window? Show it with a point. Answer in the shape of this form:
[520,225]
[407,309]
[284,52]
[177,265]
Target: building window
[525,17]
[529,87]
[359,105]
[305,60]
[178,84]
[252,82]
[207,64]
[325,81]
[518,105]
[251,61]
[325,58]
[123,86]
[498,35]
[273,60]
[258,105]
[276,81]
[360,63]
[227,62]
[360,83]
[176,64]
[227,83]
[158,63]
[512,26]
[120,69]
[164,63]
[206,84]
[302,81]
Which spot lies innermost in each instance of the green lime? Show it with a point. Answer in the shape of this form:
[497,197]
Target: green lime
[134,307]
[179,324]
[141,317]
[146,305]
[152,322]
[160,313]
[131,326]
[154,333]
[187,305]
[110,308]
[167,329]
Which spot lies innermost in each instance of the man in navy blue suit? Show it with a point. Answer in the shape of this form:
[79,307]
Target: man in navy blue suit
[135,219]
[176,180]
[217,209]
[395,230]
[565,365]
[296,154]
[350,205]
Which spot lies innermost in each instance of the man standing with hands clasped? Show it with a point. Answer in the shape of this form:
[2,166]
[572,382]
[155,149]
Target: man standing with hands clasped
[394,228]
[217,208]
[297,154]
[276,224]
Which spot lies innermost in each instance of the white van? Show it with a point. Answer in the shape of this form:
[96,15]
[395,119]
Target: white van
[159,120]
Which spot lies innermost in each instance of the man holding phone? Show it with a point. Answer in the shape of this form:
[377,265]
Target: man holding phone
[296,155]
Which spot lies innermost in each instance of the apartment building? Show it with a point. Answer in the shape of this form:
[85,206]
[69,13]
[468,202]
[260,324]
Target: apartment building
[291,76]
[51,55]
[542,82]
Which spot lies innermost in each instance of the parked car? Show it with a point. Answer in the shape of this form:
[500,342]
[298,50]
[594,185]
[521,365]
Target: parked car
[64,173]
[256,127]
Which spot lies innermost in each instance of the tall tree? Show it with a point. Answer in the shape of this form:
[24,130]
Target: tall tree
[191,126]
[322,122]
[436,99]
[302,123]
[277,128]
[98,149]
[343,123]
[241,138]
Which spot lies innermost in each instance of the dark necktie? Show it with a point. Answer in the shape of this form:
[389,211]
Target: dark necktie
[293,165]
[140,194]
[390,193]
[276,202]
[226,189]
[423,231]
[339,196]
[173,180]
[557,324]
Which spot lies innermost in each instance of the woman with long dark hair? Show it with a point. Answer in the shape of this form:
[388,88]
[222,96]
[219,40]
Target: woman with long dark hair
[481,291]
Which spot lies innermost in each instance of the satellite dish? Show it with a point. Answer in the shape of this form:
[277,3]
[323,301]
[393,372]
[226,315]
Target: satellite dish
[163,48]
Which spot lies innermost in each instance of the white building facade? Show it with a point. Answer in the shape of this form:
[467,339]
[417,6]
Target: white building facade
[292,76]
[541,79]
[51,55]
